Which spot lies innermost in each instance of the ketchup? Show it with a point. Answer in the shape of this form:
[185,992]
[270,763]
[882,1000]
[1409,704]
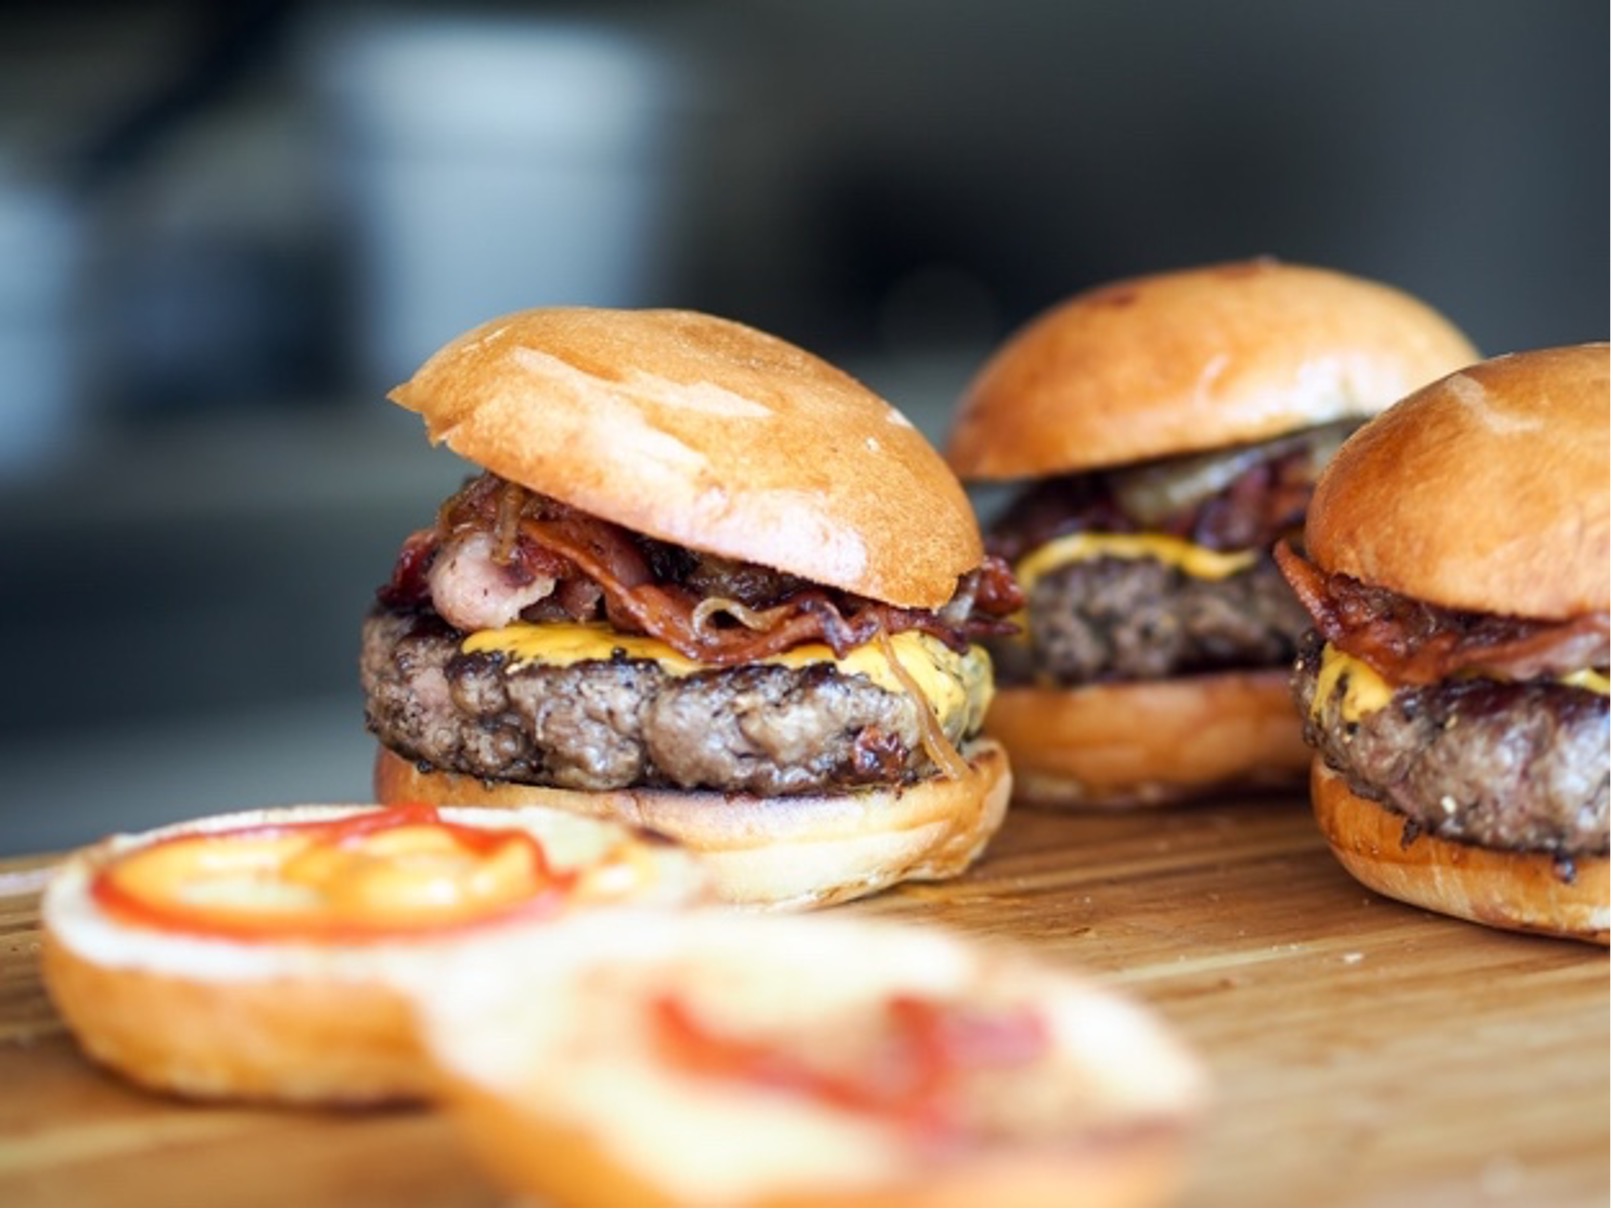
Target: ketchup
[927,1048]
[369,876]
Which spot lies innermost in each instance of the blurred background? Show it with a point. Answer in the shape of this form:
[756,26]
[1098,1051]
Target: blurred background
[227,229]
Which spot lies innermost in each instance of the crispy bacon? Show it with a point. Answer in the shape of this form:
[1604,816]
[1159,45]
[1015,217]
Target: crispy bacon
[1414,643]
[642,586]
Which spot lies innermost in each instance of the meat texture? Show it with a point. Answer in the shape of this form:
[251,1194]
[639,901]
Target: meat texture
[764,729]
[1111,619]
[1505,765]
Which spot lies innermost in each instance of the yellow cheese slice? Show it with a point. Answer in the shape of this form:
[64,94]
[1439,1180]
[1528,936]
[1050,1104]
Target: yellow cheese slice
[1200,562]
[1365,690]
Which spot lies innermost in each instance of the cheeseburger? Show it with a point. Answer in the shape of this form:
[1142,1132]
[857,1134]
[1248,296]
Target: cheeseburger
[1455,567]
[1158,436]
[705,583]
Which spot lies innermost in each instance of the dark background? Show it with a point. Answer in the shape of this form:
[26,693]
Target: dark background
[226,229]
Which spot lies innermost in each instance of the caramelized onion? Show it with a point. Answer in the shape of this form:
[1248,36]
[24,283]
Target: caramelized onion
[1156,491]
[506,524]
[751,619]
[946,757]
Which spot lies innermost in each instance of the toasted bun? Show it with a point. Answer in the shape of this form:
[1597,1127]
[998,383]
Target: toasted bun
[290,1022]
[570,1100]
[1486,490]
[1149,742]
[800,851]
[1509,890]
[1195,360]
[710,434]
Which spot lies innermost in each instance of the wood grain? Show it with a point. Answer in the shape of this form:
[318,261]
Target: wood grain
[1362,1052]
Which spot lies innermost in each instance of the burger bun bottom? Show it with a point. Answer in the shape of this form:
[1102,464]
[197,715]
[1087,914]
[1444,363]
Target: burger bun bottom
[1148,743]
[1523,892]
[800,851]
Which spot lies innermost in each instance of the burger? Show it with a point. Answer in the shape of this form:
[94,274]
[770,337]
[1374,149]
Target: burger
[704,584]
[1455,682]
[1150,440]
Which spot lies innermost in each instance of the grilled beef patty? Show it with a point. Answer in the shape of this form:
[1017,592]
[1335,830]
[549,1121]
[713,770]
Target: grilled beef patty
[1499,764]
[762,729]
[1112,619]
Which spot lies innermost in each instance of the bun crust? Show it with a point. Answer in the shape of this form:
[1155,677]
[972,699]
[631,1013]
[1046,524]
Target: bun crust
[1486,490]
[781,853]
[707,433]
[1150,742]
[572,1098]
[1518,891]
[291,1022]
[1195,360]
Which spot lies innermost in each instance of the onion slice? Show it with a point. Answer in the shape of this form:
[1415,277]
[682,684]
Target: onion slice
[946,757]
[760,620]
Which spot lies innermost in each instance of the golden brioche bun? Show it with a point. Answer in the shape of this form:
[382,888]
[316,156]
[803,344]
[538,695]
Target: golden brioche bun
[297,1022]
[1194,360]
[552,1069]
[1486,490]
[704,432]
[796,851]
[1524,892]
[1145,743]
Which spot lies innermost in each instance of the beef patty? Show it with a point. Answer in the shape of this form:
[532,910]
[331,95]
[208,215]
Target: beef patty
[763,729]
[1503,765]
[1113,619]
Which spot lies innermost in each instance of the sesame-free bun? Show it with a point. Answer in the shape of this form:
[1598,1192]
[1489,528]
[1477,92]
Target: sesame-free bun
[794,851]
[1146,743]
[1486,490]
[555,1071]
[706,433]
[1524,892]
[211,1017]
[1194,360]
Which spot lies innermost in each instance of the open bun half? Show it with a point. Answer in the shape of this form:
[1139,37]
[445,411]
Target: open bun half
[554,1067]
[296,1022]
[710,434]
[1193,360]
[1149,742]
[796,851]
[1486,490]
[1525,892]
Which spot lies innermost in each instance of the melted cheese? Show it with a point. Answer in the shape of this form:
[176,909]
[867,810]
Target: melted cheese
[1364,690]
[1197,561]
[950,683]
[1587,678]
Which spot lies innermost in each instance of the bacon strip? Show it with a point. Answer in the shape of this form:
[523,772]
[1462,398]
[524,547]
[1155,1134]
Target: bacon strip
[1415,643]
[599,564]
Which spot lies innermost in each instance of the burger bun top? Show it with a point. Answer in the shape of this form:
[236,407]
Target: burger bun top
[1193,360]
[1486,490]
[709,434]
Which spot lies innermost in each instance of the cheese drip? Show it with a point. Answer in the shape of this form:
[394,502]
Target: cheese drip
[1364,690]
[1200,562]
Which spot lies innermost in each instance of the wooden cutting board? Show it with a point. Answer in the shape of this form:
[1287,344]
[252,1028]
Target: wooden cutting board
[1362,1052]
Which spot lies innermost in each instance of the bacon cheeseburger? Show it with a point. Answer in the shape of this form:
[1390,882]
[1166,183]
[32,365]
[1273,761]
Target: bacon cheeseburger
[1160,435]
[1455,685]
[706,584]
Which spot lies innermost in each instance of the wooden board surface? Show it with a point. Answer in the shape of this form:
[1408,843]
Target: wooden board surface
[1362,1052]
